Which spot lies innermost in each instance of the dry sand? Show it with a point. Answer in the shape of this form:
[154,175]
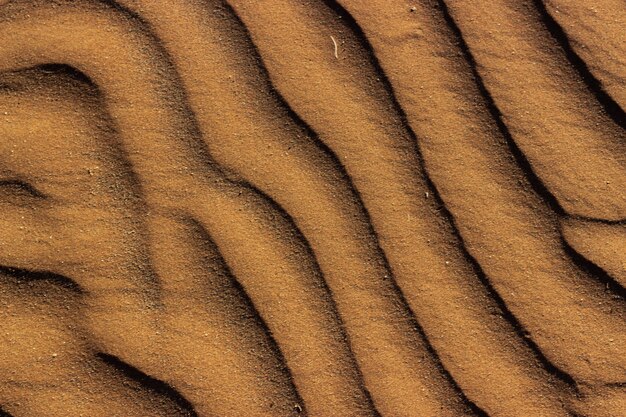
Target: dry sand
[332,208]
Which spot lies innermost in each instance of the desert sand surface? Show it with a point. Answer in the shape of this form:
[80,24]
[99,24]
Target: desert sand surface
[323,208]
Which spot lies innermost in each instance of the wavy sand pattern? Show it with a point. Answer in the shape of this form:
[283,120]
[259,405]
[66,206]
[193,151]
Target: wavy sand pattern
[328,208]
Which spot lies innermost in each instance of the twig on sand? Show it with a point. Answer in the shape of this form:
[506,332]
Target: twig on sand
[336,47]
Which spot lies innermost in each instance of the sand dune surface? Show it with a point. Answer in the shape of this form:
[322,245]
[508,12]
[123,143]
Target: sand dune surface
[331,208]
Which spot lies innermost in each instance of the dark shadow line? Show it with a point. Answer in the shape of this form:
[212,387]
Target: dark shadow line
[248,303]
[615,385]
[610,106]
[99,97]
[4,413]
[26,275]
[156,386]
[68,71]
[612,286]
[192,133]
[621,222]
[113,4]
[507,314]
[22,187]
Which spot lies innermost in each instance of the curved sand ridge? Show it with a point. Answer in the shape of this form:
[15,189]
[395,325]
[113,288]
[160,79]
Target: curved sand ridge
[315,208]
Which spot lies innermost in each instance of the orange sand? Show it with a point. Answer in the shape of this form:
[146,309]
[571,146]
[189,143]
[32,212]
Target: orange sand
[335,208]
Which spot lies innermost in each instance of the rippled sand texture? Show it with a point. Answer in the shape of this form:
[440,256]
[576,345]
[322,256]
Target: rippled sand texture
[261,208]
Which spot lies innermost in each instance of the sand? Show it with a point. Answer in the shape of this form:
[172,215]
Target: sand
[312,208]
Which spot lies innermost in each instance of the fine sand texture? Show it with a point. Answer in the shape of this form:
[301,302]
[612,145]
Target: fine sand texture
[323,208]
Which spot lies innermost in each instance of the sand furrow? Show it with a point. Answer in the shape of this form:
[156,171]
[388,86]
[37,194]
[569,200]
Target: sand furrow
[25,275]
[305,325]
[531,230]
[551,114]
[477,319]
[602,244]
[216,345]
[596,33]
[151,383]
[89,208]
[262,142]
[330,131]
[51,370]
